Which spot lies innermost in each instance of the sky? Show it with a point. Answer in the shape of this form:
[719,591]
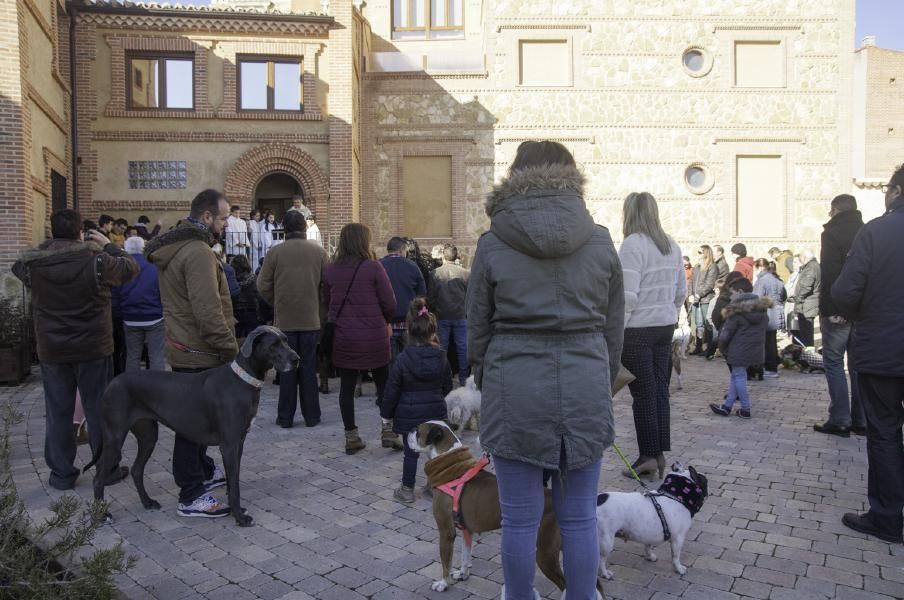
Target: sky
[881,18]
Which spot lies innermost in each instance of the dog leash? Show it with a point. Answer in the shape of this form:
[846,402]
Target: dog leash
[666,533]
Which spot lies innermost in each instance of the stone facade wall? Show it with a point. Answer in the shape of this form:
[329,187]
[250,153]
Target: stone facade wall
[633,117]
[884,120]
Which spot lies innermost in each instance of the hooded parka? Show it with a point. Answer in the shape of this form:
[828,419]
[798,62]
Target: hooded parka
[742,340]
[545,322]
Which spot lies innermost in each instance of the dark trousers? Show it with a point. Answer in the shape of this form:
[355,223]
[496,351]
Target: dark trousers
[397,342]
[771,364]
[883,406]
[805,330]
[300,384]
[119,348]
[191,465]
[348,381]
[61,380]
[647,353]
[409,464]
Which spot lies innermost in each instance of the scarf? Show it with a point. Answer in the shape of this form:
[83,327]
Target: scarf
[685,491]
[449,466]
[198,223]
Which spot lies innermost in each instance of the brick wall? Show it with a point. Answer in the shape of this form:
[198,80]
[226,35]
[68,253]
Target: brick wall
[16,212]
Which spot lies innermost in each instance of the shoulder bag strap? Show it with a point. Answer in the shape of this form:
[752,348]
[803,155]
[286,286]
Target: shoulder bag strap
[348,290]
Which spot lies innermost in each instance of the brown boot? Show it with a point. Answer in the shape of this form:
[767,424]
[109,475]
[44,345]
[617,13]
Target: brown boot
[353,443]
[389,438]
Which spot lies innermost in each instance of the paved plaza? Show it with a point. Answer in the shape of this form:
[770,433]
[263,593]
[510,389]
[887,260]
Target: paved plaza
[326,526]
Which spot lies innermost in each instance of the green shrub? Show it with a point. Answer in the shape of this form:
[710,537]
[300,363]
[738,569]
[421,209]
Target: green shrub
[37,560]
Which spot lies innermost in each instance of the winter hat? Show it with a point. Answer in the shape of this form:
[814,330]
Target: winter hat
[742,285]
[739,249]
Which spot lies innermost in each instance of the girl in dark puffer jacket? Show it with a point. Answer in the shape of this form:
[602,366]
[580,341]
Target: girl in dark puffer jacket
[416,390]
[742,341]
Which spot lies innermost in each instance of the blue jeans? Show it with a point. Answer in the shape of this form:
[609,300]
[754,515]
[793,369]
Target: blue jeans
[300,384]
[459,329]
[521,499]
[737,390]
[844,410]
[409,464]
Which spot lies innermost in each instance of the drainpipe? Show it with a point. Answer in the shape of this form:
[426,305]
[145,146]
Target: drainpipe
[73,105]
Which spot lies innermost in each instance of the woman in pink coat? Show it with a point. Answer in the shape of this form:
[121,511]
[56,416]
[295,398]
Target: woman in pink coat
[362,332]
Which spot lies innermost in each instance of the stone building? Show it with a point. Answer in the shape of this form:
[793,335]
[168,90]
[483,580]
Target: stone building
[737,115]
[878,122]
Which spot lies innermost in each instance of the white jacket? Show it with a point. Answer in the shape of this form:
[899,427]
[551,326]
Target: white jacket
[655,287]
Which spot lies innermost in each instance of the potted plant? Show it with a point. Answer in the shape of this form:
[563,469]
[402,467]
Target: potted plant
[15,337]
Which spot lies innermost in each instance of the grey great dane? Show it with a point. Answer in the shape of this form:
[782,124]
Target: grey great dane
[212,408]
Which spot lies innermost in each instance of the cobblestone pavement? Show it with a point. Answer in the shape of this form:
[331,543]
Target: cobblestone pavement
[326,526]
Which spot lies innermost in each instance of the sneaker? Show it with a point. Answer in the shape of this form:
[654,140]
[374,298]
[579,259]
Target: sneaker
[404,494]
[744,414]
[771,374]
[720,410]
[217,480]
[205,506]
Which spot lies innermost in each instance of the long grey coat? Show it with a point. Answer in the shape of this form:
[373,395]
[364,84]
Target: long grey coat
[545,322]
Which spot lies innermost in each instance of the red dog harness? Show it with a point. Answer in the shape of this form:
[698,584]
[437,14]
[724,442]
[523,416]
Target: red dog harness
[454,489]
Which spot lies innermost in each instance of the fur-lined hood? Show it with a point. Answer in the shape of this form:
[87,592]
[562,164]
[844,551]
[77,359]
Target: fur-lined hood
[163,248]
[745,304]
[59,248]
[540,211]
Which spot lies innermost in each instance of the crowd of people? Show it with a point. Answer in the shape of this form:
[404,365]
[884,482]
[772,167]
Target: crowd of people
[546,318]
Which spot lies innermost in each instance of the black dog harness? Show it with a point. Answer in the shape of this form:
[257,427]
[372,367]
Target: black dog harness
[681,490]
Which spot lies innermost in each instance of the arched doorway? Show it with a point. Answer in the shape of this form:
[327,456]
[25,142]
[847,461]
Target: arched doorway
[276,192]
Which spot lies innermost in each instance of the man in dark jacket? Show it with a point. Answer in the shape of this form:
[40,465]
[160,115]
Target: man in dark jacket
[845,412]
[806,296]
[199,330]
[407,284]
[721,265]
[142,312]
[870,293]
[70,283]
[448,291]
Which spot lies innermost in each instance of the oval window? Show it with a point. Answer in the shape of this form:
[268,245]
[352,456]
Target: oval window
[694,60]
[698,179]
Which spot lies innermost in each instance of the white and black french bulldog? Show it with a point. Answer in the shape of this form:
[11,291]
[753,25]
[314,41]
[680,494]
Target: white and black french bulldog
[632,516]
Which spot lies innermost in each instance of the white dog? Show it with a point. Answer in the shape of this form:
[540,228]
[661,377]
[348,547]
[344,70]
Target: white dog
[632,516]
[463,406]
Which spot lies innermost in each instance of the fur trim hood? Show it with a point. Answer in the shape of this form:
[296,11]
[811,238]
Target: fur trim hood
[544,178]
[745,304]
[163,248]
[540,211]
[58,248]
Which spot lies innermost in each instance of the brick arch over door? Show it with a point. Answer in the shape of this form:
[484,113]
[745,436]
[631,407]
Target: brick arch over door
[267,159]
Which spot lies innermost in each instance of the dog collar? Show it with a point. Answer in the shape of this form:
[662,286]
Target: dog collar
[246,376]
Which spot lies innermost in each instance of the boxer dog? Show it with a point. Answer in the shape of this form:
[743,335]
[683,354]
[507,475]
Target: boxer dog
[632,516]
[479,508]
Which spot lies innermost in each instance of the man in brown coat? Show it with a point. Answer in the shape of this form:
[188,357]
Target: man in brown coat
[290,281]
[200,335]
[70,283]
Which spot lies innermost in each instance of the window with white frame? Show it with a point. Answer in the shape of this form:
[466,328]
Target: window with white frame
[430,19]
[269,84]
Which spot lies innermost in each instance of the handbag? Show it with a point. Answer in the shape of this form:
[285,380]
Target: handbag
[329,330]
[623,378]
